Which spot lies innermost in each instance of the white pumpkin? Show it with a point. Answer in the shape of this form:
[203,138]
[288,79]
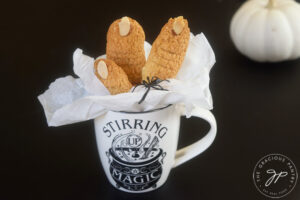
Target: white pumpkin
[267,30]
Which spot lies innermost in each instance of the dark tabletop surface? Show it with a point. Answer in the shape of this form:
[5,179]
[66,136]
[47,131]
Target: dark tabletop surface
[256,105]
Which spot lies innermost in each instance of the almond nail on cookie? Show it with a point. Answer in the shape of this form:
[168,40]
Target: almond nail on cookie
[125,46]
[168,50]
[112,76]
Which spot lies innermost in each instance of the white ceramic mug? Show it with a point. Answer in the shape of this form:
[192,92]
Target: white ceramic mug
[138,149]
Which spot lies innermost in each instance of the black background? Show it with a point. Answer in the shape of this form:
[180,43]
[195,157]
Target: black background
[256,105]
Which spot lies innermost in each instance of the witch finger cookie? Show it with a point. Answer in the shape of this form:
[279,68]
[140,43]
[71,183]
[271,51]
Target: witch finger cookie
[168,50]
[125,46]
[112,76]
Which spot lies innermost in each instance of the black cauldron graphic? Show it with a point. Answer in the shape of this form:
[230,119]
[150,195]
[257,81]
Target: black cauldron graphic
[135,165]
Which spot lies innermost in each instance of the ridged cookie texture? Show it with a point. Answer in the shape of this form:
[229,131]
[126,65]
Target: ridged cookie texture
[112,76]
[168,50]
[127,50]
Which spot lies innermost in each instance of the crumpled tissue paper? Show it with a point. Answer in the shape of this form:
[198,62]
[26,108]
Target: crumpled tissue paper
[69,100]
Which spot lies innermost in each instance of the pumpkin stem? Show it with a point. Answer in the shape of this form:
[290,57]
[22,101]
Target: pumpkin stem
[271,4]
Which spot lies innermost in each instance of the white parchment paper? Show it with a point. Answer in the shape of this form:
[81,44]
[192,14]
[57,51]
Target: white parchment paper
[69,100]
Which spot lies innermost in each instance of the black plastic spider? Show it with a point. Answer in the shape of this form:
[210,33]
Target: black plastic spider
[153,83]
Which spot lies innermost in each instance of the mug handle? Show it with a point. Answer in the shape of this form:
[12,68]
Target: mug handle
[189,152]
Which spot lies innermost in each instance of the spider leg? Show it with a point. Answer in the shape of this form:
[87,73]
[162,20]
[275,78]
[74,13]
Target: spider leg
[144,96]
[157,87]
[136,87]
[160,88]
[165,80]
[154,78]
